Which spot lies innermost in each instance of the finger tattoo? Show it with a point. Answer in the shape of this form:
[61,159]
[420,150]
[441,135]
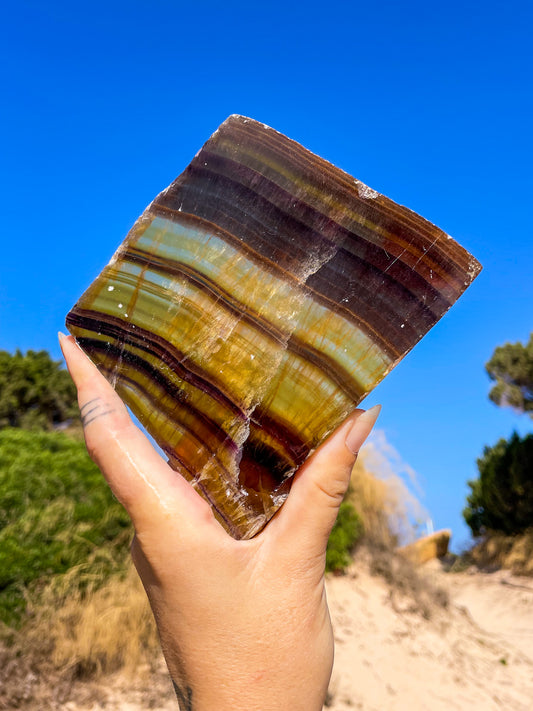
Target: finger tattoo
[93,410]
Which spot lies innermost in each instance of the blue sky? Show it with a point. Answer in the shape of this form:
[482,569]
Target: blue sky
[104,104]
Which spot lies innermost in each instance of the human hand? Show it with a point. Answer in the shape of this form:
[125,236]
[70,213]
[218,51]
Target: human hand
[244,625]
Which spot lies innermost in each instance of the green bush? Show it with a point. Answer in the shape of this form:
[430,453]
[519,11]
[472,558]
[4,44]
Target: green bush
[36,392]
[345,534]
[56,512]
[502,498]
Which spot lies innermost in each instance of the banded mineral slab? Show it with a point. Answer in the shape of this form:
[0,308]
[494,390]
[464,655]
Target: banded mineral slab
[254,304]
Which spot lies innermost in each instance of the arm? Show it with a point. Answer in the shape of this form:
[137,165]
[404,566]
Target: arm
[244,625]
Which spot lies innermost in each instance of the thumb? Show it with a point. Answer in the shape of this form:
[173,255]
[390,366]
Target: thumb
[319,486]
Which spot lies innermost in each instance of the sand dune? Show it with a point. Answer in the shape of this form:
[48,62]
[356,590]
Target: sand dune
[477,652]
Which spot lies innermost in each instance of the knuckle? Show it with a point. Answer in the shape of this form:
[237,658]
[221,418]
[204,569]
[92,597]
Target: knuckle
[333,493]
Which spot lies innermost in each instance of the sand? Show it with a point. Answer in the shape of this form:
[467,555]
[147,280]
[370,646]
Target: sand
[477,652]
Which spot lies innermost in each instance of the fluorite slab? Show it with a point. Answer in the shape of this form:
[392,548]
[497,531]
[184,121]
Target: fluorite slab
[254,304]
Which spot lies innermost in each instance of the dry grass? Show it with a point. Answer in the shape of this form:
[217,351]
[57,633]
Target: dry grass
[113,628]
[497,551]
[96,632]
[72,635]
[381,490]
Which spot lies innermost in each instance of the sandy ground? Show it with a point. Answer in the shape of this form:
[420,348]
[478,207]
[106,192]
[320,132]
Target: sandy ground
[474,653]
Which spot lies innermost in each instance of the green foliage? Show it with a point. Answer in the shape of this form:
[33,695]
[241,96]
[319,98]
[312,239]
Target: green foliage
[35,391]
[345,534]
[511,366]
[502,498]
[56,512]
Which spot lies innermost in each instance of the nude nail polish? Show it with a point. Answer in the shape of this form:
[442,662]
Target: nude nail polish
[361,429]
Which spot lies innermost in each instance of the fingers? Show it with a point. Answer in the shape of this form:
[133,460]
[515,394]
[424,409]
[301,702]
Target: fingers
[318,488]
[139,478]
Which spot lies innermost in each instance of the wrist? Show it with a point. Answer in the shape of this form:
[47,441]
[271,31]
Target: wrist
[298,682]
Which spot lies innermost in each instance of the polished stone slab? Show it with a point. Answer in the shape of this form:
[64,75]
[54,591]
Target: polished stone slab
[254,304]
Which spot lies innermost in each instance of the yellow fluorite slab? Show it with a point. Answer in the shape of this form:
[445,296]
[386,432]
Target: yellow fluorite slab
[254,304]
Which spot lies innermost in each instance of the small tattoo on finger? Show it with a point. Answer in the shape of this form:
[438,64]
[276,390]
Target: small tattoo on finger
[93,410]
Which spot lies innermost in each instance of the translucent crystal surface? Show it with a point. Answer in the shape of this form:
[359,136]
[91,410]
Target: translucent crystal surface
[254,304]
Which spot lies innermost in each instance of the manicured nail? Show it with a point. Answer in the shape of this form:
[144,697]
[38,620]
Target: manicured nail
[361,429]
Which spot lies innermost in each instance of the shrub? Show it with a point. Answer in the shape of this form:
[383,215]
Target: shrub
[345,534]
[36,392]
[56,512]
[502,498]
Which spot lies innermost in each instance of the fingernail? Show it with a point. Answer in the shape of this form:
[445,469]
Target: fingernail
[361,429]
[61,336]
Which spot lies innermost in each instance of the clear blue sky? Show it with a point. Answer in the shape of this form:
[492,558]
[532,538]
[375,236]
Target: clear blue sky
[104,103]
